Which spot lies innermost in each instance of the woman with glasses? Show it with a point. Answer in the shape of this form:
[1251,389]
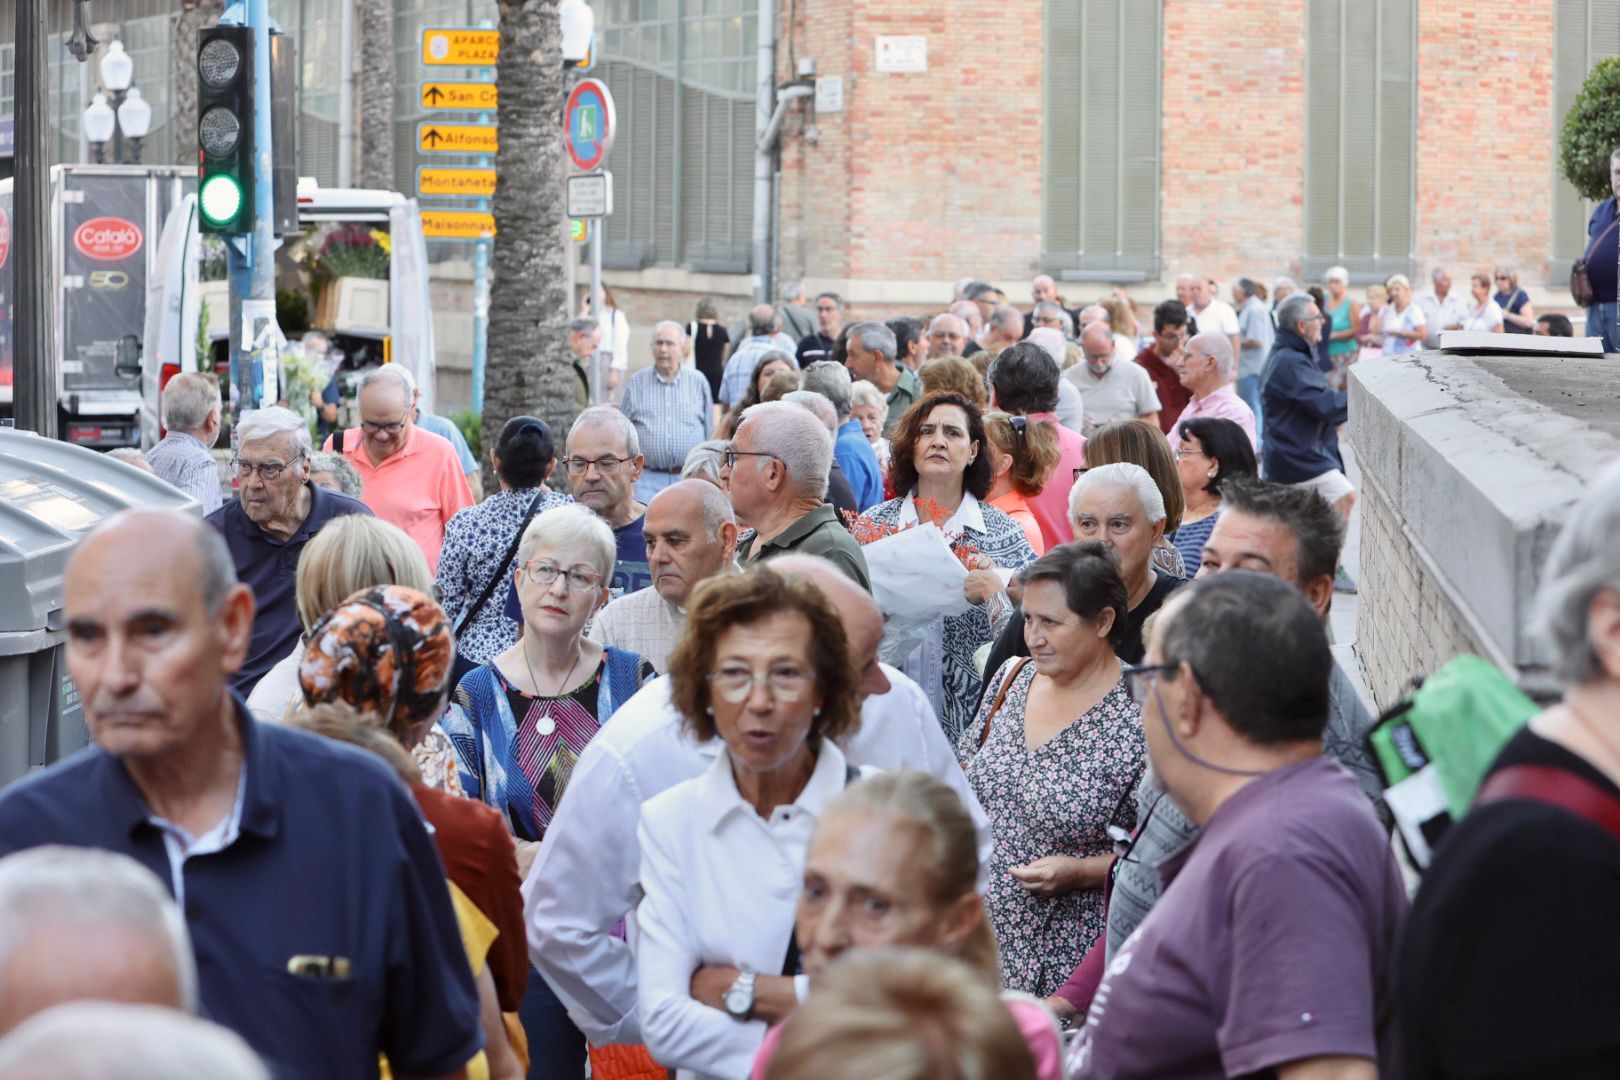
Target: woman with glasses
[1518,315]
[520,721]
[1213,451]
[1055,755]
[764,672]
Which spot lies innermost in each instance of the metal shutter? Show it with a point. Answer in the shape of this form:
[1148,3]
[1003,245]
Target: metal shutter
[1586,31]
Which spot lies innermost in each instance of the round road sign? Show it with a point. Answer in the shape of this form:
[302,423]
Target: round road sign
[589,123]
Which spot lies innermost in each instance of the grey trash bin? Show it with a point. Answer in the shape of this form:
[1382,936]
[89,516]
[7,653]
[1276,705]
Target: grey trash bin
[50,494]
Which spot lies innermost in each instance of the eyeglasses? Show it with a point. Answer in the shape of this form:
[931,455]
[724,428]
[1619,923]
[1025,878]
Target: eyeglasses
[544,573]
[1182,453]
[1139,678]
[1311,318]
[269,471]
[733,684]
[372,428]
[607,466]
[728,457]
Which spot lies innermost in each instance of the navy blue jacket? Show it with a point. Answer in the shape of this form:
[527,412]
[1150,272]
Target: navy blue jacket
[1302,414]
[1603,260]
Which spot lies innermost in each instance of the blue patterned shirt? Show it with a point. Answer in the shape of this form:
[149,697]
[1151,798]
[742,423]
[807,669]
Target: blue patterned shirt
[671,415]
[186,463]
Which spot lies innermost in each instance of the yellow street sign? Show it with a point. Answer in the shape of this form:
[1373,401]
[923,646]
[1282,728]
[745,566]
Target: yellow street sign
[450,46]
[457,138]
[477,182]
[457,224]
[479,96]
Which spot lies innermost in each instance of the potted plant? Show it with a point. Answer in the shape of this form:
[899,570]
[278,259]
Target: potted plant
[350,274]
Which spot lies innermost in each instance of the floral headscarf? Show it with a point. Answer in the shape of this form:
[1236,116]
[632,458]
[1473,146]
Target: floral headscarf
[386,651]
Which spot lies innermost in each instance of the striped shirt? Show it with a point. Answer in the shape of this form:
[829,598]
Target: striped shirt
[671,415]
[186,463]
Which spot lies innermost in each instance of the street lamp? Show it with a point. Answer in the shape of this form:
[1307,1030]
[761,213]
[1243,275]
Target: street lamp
[99,123]
[135,120]
[128,113]
[578,24]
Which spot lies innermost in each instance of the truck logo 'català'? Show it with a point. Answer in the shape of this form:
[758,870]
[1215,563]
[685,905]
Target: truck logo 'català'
[107,239]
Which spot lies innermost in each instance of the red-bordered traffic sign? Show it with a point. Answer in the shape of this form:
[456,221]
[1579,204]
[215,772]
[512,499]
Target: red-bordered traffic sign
[589,123]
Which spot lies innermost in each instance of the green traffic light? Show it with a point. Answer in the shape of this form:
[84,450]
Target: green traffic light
[220,199]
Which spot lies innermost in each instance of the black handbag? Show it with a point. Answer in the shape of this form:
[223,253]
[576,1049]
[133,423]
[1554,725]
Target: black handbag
[462,665]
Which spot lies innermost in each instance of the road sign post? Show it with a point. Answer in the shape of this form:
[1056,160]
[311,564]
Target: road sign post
[589,124]
[460,46]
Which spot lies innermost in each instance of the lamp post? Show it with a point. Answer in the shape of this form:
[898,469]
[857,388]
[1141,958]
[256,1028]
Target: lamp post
[127,114]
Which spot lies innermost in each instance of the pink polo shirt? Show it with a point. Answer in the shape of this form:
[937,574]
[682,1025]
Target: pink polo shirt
[1222,404]
[1051,506]
[419,488]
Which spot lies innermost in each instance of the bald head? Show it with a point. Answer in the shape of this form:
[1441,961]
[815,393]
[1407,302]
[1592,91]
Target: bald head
[1097,342]
[863,622]
[696,496]
[691,535]
[200,548]
[762,321]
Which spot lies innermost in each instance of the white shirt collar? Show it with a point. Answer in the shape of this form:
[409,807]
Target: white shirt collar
[968,517]
[718,797]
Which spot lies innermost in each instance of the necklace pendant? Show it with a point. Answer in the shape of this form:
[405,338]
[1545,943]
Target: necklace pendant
[545,725]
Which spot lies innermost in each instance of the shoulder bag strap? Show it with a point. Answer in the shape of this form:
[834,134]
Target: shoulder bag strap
[1555,787]
[1001,695]
[1604,235]
[506,564]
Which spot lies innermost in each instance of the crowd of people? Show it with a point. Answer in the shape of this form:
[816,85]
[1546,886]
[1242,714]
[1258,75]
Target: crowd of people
[642,765]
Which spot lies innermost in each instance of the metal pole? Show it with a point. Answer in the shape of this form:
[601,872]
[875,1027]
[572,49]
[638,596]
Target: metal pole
[597,389]
[118,129]
[85,90]
[251,259]
[480,342]
[34,379]
[345,170]
[764,151]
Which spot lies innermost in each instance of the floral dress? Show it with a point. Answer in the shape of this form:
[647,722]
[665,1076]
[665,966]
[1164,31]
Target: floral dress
[1059,799]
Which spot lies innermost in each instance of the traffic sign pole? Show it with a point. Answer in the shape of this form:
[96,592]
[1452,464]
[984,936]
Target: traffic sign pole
[480,357]
[589,123]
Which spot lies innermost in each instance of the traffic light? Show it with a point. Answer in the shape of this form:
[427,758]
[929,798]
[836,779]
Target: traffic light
[225,144]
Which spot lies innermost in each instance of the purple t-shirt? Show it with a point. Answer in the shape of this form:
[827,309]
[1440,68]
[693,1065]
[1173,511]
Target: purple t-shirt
[1274,942]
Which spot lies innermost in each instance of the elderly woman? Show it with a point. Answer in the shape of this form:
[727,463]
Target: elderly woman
[703,462]
[1524,847]
[1055,755]
[1141,443]
[1213,451]
[1402,322]
[480,541]
[334,473]
[1518,315]
[1022,456]
[941,464]
[765,667]
[772,362]
[1484,314]
[894,862]
[869,405]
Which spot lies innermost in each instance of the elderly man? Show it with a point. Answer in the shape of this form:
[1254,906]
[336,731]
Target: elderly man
[764,334]
[603,458]
[1602,257]
[691,535]
[1113,389]
[182,457]
[584,337]
[1043,290]
[776,472]
[797,322]
[1051,315]
[671,408]
[100,1040]
[1282,289]
[851,450]
[1211,313]
[79,924]
[1024,381]
[1005,327]
[1291,862]
[1256,333]
[947,336]
[412,477]
[872,355]
[278,513]
[1207,366]
[829,324]
[584,881]
[972,316]
[1443,307]
[323,930]
[1303,413]
[840,495]
[910,340]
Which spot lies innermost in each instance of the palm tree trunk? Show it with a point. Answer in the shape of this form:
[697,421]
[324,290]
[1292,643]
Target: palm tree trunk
[375,27]
[184,118]
[528,368]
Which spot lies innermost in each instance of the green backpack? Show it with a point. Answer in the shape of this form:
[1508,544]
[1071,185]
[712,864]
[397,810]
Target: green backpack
[1435,747]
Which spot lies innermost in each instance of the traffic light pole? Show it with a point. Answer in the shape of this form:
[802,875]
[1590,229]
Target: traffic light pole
[35,383]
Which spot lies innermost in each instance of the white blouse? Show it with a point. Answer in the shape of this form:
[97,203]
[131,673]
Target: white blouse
[720,886]
[1485,318]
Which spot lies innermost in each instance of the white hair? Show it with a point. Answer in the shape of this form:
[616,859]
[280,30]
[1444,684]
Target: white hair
[103,1040]
[1337,273]
[832,382]
[188,399]
[1214,344]
[823,409]
[862,392]
[573,529]
[390,373]
[1051,309]
[1127,475]
[703,461]
[938,320]
[1584,562]
[1091,313]
[258,424]
[607,416]
[795,437]
[84,887]
[1052,342]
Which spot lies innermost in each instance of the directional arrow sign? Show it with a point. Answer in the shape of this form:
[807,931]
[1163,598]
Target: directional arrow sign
[457,138]
[476,96]
[458,224]
[453,46]
[475,182]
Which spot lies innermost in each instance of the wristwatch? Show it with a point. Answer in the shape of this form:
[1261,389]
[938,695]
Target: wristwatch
[740,998]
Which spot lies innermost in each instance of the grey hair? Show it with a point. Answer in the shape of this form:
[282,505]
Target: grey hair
[1292,310]
[1284,283]
[661,323]
[1053,309]
[795,437]
[188,399]
[1127,475]
[131,456]
[1248,286]
[583,325]
[935,321]
[703,461]
[258,424]
[105,1040]
[862,392]
[1337,273]
[1099,310]
[85,887]
[575,529]
[338,465]
[1008,319]
[790,291]
[1584,562]
[823,409]
[390,373]
[1217,345]
[1438,272]
[875,337]
[1051,342]
[607,416]
[832,382]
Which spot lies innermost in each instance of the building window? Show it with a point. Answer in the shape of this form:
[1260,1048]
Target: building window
[1100,213]
[1586,31]
[1360,136]
[682,76]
